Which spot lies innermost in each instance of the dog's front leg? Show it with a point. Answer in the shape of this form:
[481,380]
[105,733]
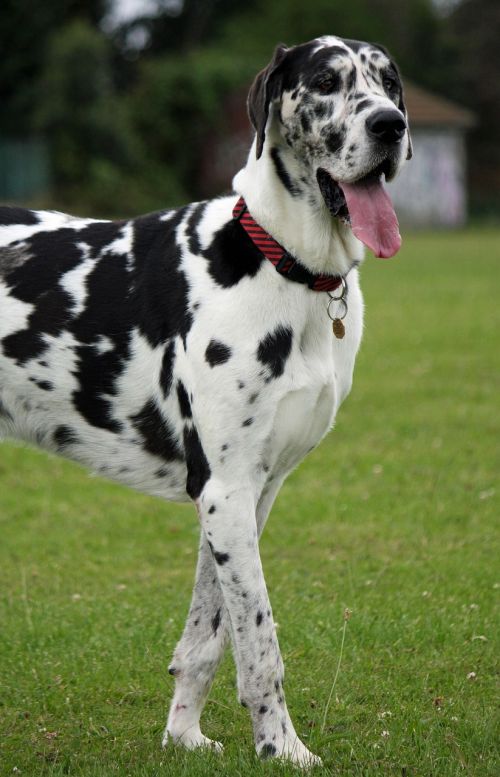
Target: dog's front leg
[197,655]
[201,647]
[228,519]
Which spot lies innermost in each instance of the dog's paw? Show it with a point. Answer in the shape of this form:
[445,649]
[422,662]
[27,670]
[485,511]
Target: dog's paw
[191,739]
[293,750]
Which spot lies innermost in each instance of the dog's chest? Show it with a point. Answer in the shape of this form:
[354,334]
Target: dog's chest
[303,416]
[317,380]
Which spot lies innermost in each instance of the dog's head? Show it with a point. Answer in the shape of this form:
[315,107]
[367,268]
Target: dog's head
[332,117]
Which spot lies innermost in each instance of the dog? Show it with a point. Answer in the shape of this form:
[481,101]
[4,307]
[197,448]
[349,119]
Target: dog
[189,353]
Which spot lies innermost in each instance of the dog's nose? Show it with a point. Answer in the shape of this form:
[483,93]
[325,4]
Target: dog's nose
[387,126]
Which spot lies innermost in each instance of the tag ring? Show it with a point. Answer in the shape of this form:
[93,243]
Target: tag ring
[342,313]
[342,293]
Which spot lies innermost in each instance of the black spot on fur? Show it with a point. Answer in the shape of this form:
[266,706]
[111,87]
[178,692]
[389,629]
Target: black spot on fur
[283,173]
[354,45]
[232,255]
[96,374]
[172,670]
[64,435]
[258,619]
[167,365]
[274,350]
[184,404]
[221,558]
[338,51]
[305,121]
[267,751]
[98,235]
[363,104]
[191,228]
[334,141]
[321,110]
[160,288]
[159,438]
[212,509]
[45,385]
[217,353]
[248,422]
[12,215]
[216,621]
[23,346]
[109,312]
[351,79]
[197,464]
[262,709]
[4,413]
[50,316]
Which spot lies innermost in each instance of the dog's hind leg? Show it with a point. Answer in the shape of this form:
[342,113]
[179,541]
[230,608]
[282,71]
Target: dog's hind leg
[197,655]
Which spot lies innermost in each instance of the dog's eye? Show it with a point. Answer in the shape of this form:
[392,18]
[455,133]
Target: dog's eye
[390,84]
[326,83]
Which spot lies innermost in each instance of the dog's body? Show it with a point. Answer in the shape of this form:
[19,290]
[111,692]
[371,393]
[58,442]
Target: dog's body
[167,353]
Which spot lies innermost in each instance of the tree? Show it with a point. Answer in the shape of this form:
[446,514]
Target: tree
[98,161]
[25,28]
[473,35]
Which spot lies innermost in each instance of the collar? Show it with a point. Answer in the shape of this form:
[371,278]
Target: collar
[283,262]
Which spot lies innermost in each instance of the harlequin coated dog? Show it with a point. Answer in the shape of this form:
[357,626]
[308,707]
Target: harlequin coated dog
[189,353]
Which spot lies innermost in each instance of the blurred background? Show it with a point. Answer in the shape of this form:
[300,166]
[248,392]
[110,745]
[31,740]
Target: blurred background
[116,107]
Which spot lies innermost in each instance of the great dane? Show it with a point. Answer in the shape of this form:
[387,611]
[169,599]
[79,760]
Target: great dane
[189,353]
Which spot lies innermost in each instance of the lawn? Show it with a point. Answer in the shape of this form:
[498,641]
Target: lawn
[395,517]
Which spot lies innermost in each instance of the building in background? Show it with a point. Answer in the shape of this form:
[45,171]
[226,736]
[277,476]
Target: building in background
[431,190]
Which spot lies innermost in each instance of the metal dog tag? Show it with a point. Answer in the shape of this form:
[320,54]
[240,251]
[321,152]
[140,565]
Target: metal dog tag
[337,321]
[338,328]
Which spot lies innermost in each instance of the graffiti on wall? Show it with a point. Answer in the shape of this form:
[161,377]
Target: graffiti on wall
[431,190]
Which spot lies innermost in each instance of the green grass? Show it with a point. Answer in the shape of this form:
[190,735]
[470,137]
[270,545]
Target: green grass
[394,516]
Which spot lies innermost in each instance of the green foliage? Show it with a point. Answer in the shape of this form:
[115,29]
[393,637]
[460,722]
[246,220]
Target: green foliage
[395,516]
[99,162]
[25,26]
[473,37]
[175,102]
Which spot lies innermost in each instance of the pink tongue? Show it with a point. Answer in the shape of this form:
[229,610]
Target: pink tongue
[373,219]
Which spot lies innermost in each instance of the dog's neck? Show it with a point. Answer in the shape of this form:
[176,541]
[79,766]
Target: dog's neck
[302,224]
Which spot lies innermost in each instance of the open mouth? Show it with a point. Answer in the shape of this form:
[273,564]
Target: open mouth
[366,206]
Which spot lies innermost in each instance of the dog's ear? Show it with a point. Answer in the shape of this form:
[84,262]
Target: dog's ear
[401,103]
[402,108]
[264,89]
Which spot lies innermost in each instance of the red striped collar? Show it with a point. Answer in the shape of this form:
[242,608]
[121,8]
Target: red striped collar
[284,263]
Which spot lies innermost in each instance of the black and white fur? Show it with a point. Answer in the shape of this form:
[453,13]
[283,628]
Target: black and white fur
[166,352]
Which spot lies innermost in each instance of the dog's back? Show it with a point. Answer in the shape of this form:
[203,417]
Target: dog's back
[83,306]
